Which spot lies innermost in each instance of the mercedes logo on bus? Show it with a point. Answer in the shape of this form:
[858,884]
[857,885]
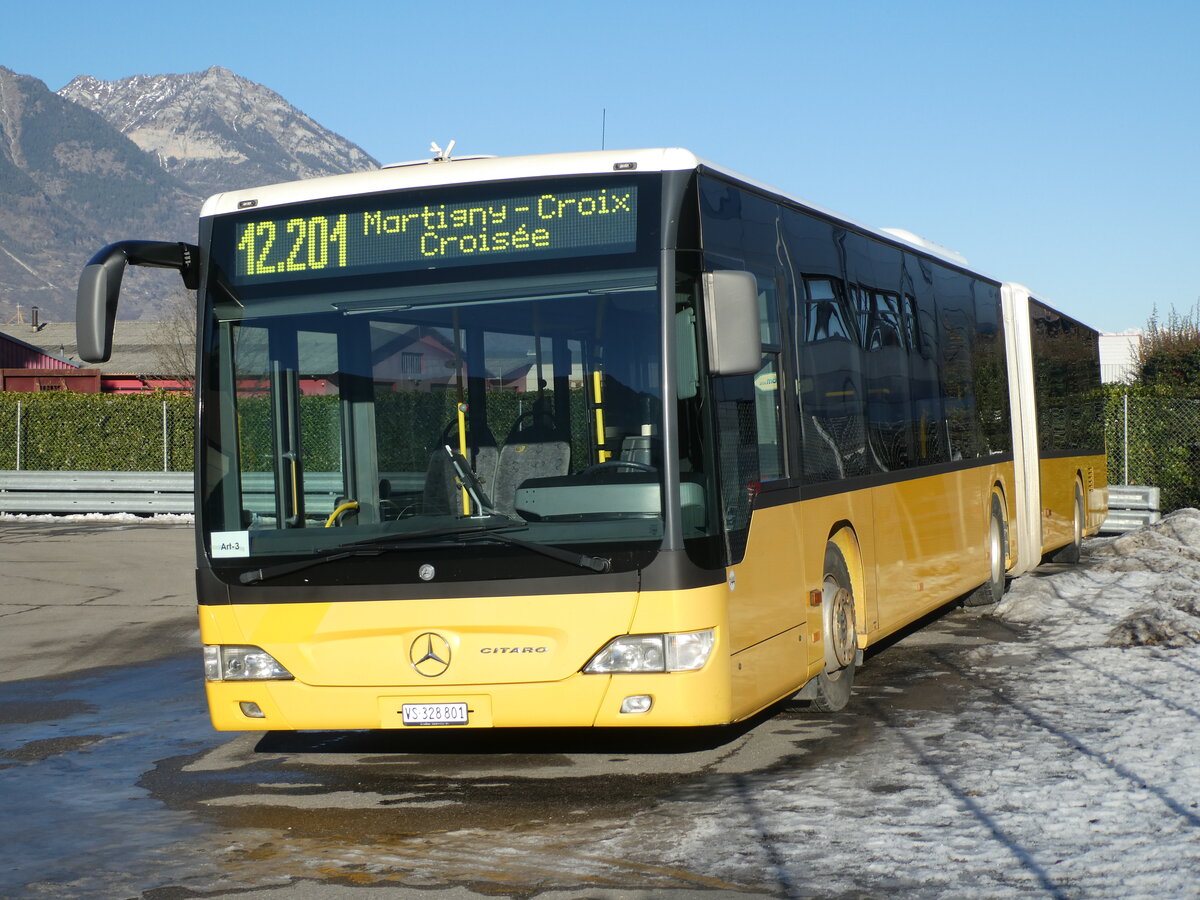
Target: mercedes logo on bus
[430,654]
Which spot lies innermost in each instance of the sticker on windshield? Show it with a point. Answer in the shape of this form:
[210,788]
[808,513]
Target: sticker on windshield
[227,544]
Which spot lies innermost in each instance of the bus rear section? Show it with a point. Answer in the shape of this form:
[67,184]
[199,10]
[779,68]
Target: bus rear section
[1061,471]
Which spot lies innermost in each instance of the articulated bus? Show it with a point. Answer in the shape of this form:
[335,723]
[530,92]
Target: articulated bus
[596,439]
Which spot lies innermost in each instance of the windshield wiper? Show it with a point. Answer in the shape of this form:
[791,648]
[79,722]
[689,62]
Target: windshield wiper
[385,543]
[583,560]
[493,531]
[369,547]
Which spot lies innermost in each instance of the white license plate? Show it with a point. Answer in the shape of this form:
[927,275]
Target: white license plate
[434,713]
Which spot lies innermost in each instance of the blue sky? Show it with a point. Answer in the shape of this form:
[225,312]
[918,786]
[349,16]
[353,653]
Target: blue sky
[1051,143]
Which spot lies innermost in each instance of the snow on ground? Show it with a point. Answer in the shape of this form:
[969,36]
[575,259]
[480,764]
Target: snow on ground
[1064,762]
[104,518]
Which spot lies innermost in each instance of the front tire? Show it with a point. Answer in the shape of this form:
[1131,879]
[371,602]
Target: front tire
[832,687]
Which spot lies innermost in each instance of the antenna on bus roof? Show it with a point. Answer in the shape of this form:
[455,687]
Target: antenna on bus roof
[440,155]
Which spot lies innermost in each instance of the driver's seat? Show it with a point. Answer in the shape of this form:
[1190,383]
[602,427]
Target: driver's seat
[535,451]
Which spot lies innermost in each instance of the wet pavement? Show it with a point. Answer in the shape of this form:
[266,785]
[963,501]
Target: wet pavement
[115,785]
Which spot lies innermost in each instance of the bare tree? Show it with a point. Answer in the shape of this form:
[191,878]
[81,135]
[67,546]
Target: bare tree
[175,343]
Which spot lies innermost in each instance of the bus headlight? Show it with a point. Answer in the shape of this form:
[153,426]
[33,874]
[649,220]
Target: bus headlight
[232,662]
[681,652]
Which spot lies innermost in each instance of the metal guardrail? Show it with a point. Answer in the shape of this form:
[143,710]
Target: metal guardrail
[89,492]
[1131,506]
[62,493]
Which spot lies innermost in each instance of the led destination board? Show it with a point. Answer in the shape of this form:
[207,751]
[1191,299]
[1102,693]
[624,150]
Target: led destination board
[381,238]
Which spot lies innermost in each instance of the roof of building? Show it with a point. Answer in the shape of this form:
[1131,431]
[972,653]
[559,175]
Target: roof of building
[16,353]
[135,345]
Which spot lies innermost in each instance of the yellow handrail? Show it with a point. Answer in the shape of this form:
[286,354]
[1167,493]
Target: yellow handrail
[344,507]
[598,398]
[462,449]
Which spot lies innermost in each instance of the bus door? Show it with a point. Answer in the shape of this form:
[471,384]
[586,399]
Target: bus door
[293,443]
[753,449]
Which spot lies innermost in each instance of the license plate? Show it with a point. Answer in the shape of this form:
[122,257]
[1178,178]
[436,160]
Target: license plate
[434,713]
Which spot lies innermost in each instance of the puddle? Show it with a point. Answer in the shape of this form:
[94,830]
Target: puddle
[72,751]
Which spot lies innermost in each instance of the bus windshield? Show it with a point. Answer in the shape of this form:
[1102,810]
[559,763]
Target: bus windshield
[531,404]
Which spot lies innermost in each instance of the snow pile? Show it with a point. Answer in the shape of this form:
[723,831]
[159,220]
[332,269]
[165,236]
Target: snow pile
[1139,589]
[104,518]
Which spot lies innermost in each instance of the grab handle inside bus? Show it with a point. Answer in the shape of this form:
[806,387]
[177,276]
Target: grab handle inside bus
[100,287]
[734,339]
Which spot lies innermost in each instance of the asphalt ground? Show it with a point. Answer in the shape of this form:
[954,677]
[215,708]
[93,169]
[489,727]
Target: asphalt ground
[114,785]
[83,595]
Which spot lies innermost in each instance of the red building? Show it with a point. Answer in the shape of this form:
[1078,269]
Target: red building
[44,357]
[26,367]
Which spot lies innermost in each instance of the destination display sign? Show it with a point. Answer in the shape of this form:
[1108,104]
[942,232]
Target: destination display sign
[382,237]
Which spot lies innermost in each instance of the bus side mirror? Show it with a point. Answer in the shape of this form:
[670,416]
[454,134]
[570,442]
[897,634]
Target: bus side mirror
[100,288]
[731,306]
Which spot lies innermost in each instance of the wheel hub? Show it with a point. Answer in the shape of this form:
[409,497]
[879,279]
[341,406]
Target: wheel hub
[841,633]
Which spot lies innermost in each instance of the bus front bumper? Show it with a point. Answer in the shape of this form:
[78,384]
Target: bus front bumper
[656,700]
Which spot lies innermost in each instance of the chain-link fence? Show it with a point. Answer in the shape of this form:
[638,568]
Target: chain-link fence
[1155,441]
[1151,440]
[63,431]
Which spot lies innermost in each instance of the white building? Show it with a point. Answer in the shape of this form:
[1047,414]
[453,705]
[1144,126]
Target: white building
[1118,356]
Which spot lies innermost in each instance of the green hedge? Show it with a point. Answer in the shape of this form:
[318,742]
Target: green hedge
[124,432]
[96,432]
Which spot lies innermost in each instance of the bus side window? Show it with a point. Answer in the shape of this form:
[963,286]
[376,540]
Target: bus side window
[829,383]
[767,405]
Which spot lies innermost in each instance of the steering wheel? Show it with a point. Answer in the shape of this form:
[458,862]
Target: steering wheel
[446,437]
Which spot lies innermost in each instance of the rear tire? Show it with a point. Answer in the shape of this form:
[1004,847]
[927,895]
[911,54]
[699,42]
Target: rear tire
[1073,550]
[830,690]
[992,590]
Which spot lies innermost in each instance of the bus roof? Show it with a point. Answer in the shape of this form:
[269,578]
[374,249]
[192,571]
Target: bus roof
[437,173]
[453,171]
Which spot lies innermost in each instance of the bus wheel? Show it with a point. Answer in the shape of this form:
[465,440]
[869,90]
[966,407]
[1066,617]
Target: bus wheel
[997,540]
[831,688]
[1071,552]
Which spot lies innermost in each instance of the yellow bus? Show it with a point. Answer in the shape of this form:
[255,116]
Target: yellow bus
[596,439]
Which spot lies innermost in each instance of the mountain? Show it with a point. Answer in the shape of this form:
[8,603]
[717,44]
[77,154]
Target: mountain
[68,180]
[217,131]
[104,161]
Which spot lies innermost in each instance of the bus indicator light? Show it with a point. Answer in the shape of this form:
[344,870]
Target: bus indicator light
[251,710]
[637,704]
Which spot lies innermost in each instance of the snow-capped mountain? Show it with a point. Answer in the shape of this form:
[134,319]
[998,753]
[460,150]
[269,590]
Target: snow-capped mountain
[102,161]
[69,184]
[215,130]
